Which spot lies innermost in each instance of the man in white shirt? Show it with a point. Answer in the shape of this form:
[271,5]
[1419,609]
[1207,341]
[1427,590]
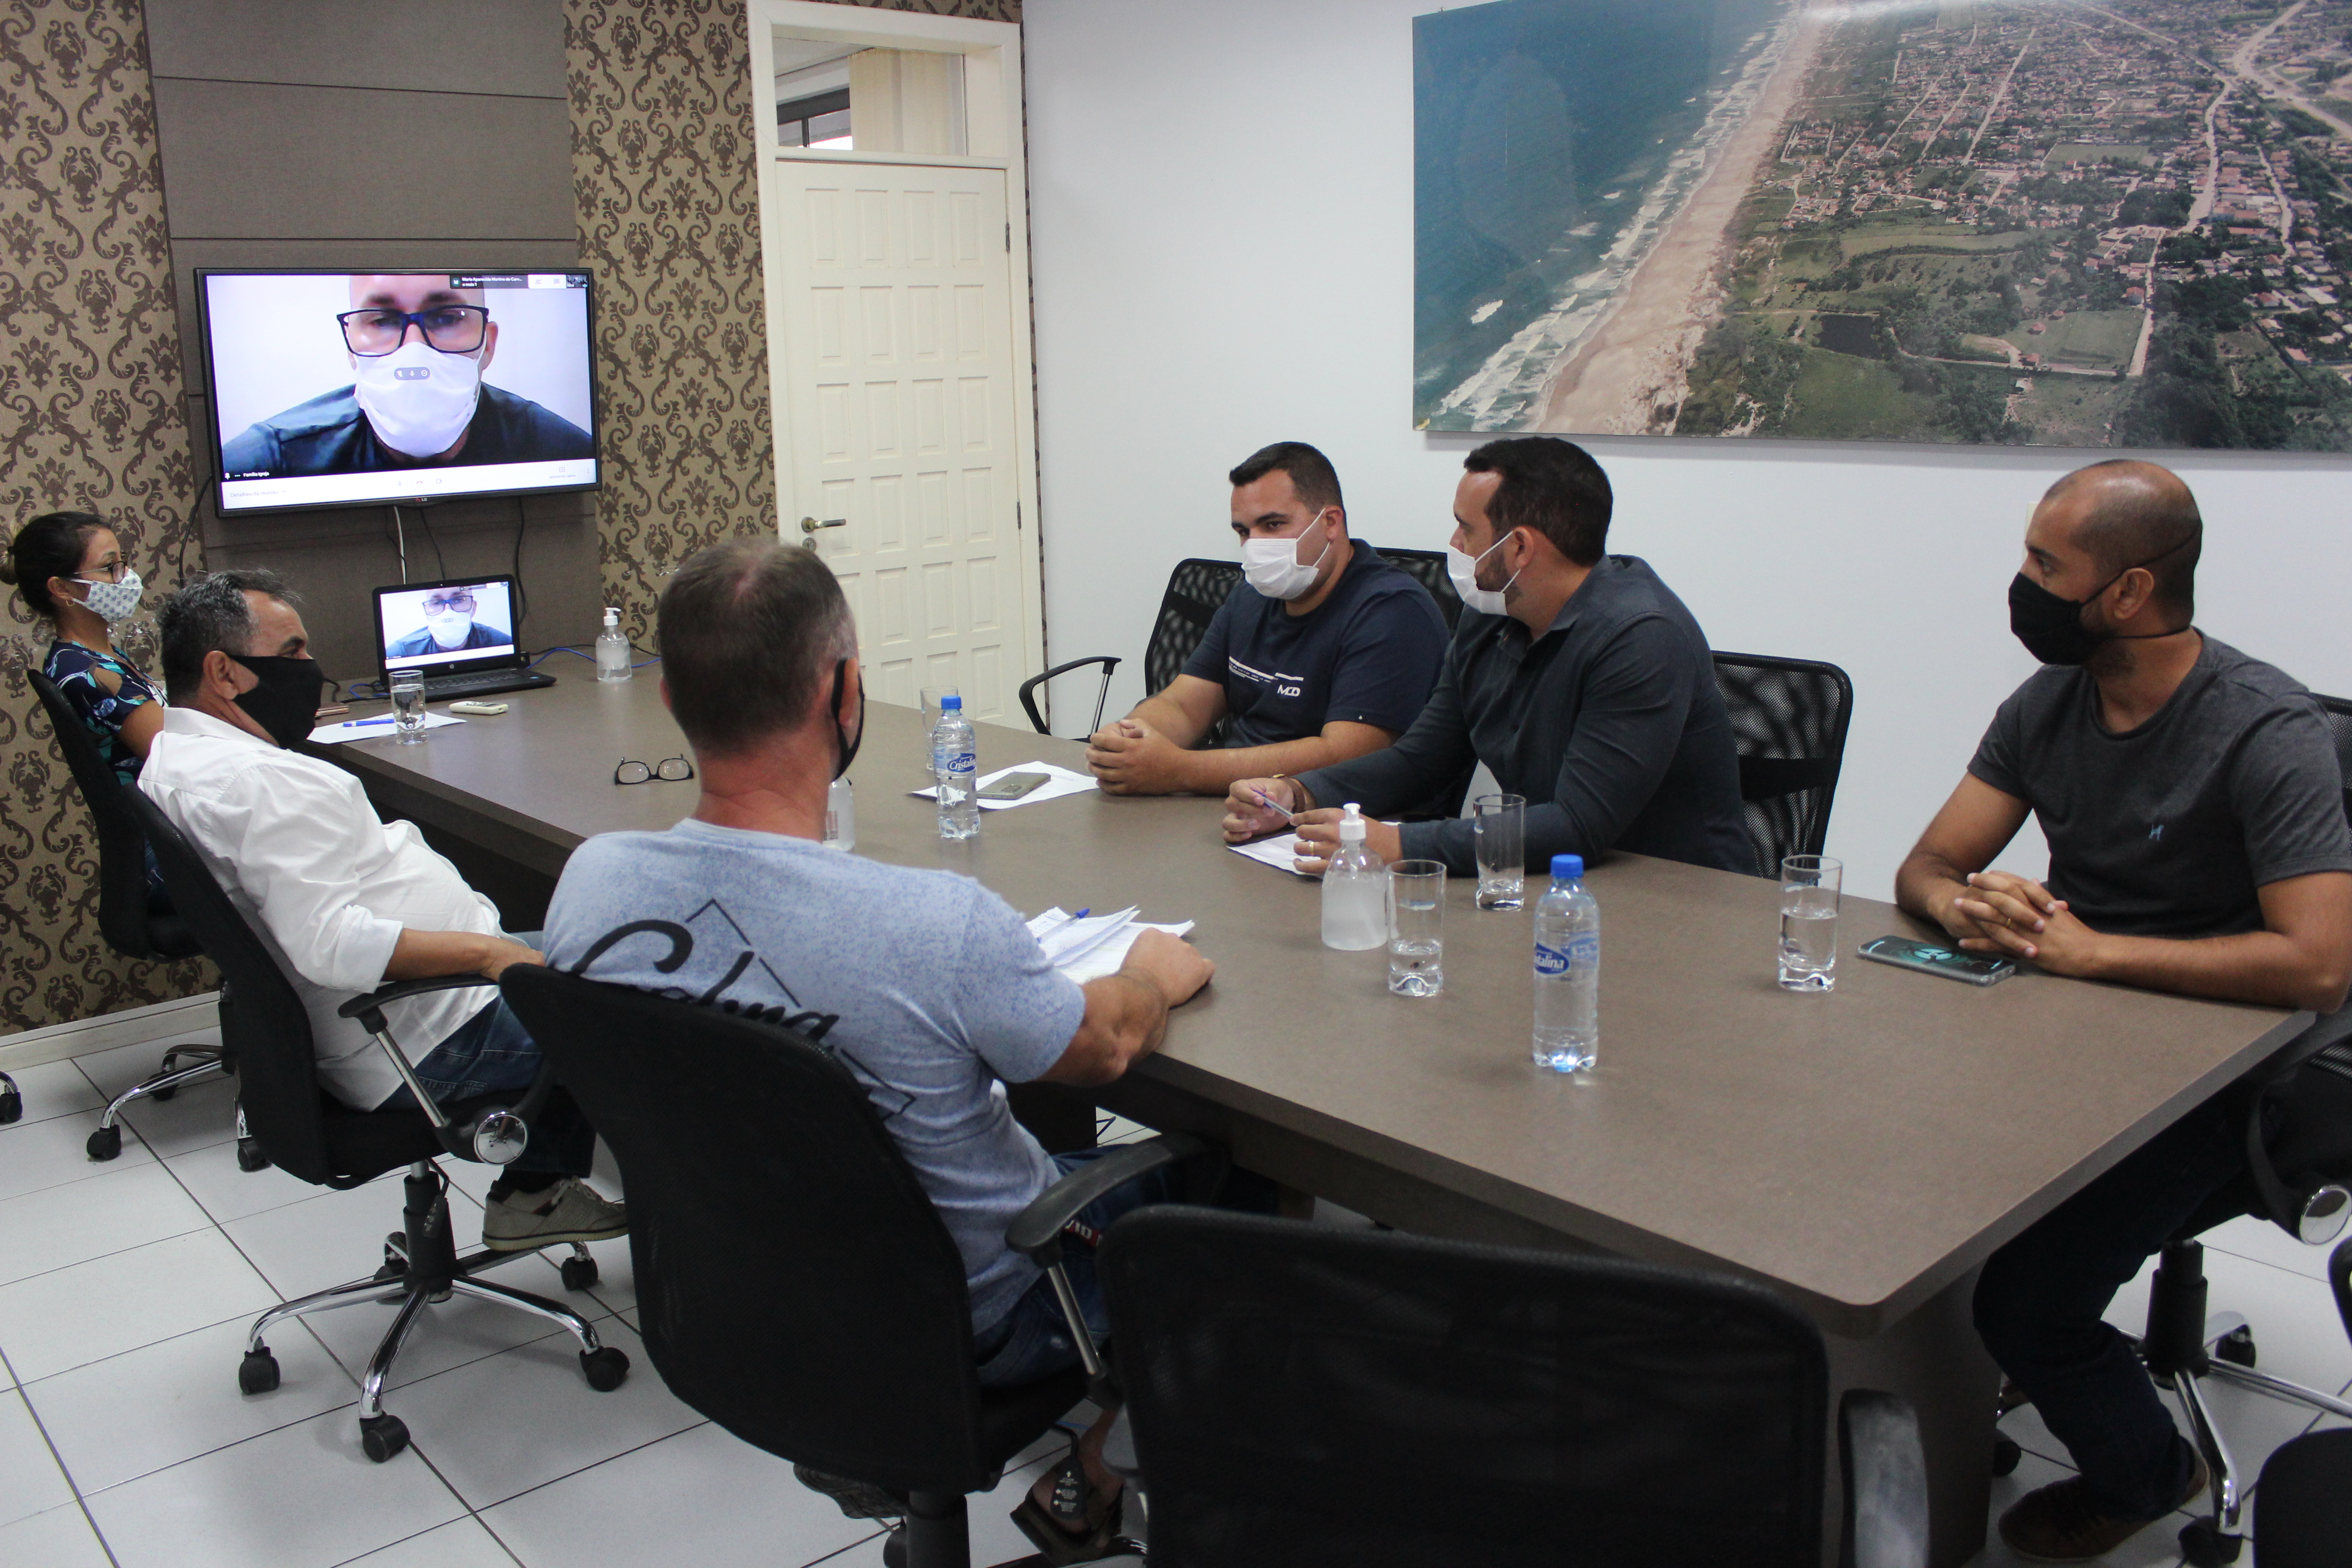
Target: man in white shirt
[346,901]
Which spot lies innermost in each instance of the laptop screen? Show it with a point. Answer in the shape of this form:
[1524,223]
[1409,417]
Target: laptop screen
[444,628]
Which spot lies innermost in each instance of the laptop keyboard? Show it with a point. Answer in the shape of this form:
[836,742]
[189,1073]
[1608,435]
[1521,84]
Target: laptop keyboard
[437,687]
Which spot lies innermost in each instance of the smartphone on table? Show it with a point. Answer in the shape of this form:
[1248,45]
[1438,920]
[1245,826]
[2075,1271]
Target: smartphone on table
[1974,968]
[1012,786]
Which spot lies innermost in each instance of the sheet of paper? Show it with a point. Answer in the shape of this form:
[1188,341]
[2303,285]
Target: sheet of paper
[343,730]
[1279,852]
[1106,956]
[1090,948]
[1059,782]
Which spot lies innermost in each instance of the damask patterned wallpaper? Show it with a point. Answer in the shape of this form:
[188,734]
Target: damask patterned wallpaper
[669,218]
[978,10]
[90,418]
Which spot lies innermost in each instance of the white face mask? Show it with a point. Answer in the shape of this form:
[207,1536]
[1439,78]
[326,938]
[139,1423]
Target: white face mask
[113,601]
[1273,568]
[419,399]
[449,630]
[1465,573]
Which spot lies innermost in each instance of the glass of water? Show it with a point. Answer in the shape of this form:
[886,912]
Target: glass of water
[1499,825]
[408,706]
[1809,912]
[930,697]
[1417,927]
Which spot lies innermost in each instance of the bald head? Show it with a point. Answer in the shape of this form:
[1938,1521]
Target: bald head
[2125,514]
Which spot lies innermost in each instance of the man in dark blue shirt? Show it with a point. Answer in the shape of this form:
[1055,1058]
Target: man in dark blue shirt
[1577,676]
[1323,652]
[418,349]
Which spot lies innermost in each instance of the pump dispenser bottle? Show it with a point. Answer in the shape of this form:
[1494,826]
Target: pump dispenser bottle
[612,649]
[1355,892]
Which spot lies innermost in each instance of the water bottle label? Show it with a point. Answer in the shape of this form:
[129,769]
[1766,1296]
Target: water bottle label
[1549,961]
[1584,952]
[962,763]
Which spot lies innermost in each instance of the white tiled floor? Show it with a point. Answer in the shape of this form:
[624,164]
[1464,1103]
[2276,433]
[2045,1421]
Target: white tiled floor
[126,1289]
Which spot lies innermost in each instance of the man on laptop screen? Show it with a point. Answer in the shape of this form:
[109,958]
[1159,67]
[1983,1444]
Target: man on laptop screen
[444,623]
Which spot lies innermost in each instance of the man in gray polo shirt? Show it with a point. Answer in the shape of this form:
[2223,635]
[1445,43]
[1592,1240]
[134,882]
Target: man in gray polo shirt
[2198,845]
[1577,676]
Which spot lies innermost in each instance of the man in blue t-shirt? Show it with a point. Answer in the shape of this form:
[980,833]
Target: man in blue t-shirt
[927,987]
[1323,652]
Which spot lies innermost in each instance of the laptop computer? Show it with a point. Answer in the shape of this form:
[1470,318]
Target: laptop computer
[460,633]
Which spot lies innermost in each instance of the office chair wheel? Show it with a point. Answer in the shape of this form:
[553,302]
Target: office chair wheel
[160,1095]
[2005,1456]
[579,1273]
[381,1436]
[257,1373]
[2203,1545]
[105,1144]
[893,1549]
[606,1368]
[249,1157]
[11,1105]
[2236,1347]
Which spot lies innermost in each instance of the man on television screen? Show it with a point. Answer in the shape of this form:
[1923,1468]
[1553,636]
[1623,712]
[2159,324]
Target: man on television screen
[449,626]
[418,349]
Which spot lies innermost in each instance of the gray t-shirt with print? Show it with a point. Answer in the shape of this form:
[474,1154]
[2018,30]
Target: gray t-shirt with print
[2171,830]
[937,995]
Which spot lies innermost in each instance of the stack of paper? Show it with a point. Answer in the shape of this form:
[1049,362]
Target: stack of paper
[1088,946]
[1059,782]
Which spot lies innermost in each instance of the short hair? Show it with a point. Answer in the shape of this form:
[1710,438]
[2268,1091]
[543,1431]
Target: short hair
[52,545]
[1552,486]
[2143,515]
[209,613]
[1311,473]
[749,630]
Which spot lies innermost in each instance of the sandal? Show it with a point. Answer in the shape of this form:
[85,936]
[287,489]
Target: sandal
[1080,1525]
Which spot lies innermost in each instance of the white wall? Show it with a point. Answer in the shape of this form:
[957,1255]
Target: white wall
[1222,196]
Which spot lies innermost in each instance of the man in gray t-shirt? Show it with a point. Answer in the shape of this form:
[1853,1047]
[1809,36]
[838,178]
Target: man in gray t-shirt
[2198,844]
[923,984]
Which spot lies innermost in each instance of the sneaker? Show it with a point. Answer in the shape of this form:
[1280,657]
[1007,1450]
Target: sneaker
[856,1499]
[568,1210]
[2062,1522]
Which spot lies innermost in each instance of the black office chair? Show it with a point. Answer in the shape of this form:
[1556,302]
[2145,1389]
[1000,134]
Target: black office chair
[1428,568]
[2300,1179]
[1310,1395]
[1789,718]
[797,1287]
[129,927]
[1195,590]
[312,1136]
[2306,1518]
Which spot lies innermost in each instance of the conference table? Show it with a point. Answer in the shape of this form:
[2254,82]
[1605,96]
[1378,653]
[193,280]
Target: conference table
[1861,1151]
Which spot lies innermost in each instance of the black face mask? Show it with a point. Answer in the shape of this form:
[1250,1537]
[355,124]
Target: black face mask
[2052,628]
[286,703]
[845,744]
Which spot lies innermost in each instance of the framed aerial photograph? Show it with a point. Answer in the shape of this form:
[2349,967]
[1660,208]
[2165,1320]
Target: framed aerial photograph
[2067,223]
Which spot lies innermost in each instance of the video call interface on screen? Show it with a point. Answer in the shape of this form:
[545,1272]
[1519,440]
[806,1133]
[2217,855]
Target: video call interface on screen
[445,625]
[352,388]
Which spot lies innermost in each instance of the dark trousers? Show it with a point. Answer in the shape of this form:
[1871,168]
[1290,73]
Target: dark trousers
[2039,1301]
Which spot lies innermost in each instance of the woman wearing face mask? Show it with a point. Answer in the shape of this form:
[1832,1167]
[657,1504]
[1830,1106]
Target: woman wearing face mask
[69,570]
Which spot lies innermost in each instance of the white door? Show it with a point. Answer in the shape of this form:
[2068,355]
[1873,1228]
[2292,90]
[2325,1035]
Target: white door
[898,392]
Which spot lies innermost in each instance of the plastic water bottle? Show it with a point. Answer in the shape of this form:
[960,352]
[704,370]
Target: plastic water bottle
[840,815]
[612,649]
[953,765]
[1568,971]
[1355,892]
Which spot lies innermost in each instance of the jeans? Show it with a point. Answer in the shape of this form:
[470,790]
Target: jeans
[2039,1301]
[1033,1339]
[489,1053]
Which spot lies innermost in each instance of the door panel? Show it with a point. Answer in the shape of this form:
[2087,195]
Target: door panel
[898,390]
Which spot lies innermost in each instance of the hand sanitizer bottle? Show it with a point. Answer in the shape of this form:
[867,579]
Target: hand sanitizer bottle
[1355,892]
[612,649]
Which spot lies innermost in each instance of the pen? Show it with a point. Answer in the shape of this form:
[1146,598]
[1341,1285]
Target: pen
[1081,914]
[1286,815]
[363,723]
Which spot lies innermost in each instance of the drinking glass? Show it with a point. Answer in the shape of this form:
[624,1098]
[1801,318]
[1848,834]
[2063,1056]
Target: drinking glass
[1809,912]
[931,696]
[1417,927]
[1499,824]
[408,706]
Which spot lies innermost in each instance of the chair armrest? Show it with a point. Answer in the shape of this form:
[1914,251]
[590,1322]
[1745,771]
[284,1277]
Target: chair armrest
[1037,1231]
[2339,1279]
[2280,1204]
[369,1008]
[458,1141]
[1030,686]
[1886,1471]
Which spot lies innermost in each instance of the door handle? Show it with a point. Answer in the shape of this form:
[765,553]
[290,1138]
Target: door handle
[809,526]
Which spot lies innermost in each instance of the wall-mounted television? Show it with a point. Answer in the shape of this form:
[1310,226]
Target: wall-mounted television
[402,387]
